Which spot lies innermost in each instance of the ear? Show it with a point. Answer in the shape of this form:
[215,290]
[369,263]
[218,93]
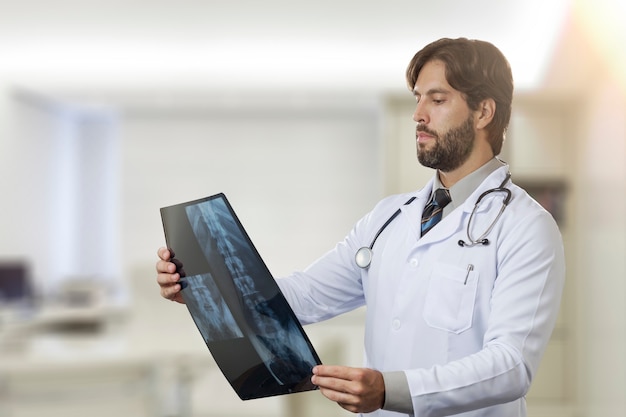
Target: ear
[485,112]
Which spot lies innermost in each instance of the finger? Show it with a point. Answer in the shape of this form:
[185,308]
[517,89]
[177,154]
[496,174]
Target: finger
[166,279]
[172,292]
[169,291]
[344,400]
[335,371]
[356,398]
[179,267]
[164,253]
[165,268]
[350,407]
[331,384]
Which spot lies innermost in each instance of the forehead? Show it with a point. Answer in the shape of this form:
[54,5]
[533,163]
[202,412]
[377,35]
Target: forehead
[432,76]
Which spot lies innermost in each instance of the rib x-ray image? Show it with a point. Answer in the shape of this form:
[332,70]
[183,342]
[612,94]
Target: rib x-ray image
[234,301]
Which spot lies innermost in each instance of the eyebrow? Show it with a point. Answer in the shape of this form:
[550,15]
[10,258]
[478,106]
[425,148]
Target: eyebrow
[432,91]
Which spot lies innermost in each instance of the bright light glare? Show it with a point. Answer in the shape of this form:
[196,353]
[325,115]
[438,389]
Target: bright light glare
[603,22]
[286,62]
[531,52]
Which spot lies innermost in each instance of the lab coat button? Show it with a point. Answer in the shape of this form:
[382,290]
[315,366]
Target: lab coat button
[414,262]
[395,324]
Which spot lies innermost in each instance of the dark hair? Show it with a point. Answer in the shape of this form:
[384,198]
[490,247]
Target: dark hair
[479,71]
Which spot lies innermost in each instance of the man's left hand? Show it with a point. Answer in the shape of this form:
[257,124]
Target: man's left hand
[359,390]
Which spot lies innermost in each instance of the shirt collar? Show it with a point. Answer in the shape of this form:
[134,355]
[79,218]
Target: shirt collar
[460,191]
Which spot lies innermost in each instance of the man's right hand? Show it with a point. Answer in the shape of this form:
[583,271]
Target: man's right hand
[169,271]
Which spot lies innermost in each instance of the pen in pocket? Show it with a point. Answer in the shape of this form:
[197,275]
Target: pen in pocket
[470,268]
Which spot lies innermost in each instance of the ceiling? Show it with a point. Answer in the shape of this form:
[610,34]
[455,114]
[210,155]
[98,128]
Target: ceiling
[254,45]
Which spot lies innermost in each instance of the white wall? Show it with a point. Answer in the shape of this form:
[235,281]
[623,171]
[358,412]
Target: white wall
[601,173]
[298,174]
[61,170]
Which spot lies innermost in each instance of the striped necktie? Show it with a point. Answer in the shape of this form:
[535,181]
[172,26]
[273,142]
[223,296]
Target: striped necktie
[434,210]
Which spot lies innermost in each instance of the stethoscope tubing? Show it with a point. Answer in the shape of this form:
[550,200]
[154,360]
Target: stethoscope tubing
[363,256]
[482,239]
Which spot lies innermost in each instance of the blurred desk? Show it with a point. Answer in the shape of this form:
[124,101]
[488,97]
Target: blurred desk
[63,363]
[152,363]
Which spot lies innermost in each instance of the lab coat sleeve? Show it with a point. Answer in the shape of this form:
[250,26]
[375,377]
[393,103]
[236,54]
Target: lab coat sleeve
[331,285]
[524,307]
[327,288]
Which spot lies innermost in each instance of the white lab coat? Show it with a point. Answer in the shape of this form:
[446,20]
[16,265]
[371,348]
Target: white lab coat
[468,338]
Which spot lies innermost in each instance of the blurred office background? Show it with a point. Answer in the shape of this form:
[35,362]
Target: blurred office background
[299,113]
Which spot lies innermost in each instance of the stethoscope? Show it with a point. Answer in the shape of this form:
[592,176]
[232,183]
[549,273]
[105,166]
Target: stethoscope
[363,256]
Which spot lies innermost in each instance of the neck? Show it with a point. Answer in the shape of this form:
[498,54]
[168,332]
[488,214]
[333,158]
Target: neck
[475,161]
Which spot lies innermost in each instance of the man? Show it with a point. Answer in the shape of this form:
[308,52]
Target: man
[459,312]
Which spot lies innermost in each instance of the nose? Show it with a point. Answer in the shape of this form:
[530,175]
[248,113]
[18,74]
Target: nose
[419,115]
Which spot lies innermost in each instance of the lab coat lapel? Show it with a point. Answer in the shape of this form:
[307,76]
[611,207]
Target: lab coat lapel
[454,221]
[413,213]
[443,230]
[458,219]
[448,226]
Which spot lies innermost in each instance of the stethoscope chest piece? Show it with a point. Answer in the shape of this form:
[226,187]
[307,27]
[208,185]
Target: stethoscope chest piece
[363,257]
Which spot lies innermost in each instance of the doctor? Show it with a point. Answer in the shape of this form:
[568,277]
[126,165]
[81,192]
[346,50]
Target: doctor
[461,304]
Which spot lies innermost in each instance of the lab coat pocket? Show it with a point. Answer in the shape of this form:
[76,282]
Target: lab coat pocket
[451,297]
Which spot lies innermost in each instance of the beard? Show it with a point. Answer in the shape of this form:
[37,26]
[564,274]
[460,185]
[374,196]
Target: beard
[450,149]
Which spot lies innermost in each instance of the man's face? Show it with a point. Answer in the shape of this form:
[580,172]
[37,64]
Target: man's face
[445,130]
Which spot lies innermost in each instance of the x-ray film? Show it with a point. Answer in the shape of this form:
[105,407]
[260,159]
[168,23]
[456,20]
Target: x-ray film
[244,319]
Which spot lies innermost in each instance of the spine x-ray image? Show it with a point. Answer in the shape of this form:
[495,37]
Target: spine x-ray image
[239,310]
